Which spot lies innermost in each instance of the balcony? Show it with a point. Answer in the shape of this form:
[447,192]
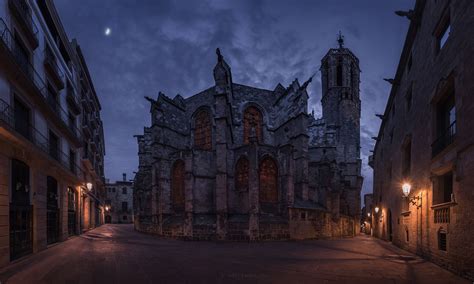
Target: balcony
[51,66]
[444,140]
[24,129]
[22,12]
[33,82]
[72,99]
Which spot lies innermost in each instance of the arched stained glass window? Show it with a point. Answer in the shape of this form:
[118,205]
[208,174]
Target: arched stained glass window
[203,131]
[268,180]
[252,119]
[242,174]
[177,184]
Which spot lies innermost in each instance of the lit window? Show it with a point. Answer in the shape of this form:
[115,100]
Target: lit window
[202,132]
[268,180]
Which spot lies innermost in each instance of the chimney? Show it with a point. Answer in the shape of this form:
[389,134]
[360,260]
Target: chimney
[124,175]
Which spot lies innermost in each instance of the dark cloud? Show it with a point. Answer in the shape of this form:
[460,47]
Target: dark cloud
[169,46]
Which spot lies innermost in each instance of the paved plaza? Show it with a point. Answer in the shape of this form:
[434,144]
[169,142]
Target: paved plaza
[118,254]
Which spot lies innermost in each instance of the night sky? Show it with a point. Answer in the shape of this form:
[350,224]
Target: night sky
[169,46]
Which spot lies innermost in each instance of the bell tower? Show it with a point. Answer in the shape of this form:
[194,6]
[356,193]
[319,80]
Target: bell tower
[341,101]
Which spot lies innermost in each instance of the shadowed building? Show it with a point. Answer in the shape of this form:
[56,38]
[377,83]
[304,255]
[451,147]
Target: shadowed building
[119,201]
[424,156]
[45,162]
[239,162]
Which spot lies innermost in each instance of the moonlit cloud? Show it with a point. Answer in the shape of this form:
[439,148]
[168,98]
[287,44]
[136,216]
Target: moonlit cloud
[169,46]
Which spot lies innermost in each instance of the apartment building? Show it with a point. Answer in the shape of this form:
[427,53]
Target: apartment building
[119,201]
[424,155]
[51,135]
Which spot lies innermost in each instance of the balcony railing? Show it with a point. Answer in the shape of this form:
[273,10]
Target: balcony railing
[53,68]
[441,215]
[25,129]
[22,12]
[444,140]
[7,39]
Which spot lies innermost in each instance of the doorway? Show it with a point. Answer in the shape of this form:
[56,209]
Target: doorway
[389,225]
[21,212]
[52,212]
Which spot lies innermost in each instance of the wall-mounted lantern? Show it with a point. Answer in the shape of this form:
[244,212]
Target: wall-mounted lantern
[376,209]
[89,186]
[406,189]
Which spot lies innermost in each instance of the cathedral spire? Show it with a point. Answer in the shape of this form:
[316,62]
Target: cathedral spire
[340,40]
[222,73]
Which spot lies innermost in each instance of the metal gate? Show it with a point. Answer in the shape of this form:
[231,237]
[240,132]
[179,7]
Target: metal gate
[71,211]
[21,233]
[21,212]
[52,214]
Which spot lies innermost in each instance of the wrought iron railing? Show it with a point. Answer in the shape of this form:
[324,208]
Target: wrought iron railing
[50,59]
[444,140]
[441,215]
[36,137]
[8,40]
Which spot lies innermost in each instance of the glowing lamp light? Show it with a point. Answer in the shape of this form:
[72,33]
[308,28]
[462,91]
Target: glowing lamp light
[406,188]
[368,214]
[89,186]
[107,208]
[376,209]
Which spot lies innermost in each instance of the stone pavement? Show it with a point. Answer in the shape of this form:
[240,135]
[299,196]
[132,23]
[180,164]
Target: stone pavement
[118,254]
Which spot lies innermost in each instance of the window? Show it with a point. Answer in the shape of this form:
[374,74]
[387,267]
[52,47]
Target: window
[124,206]
[124,190]
[124,217]
[22,118]
[443,188]
[71,121]
[442,31]
[445,123]
[242,175]
[268,181]
[52,97]
[442,239]
[53,145]
[22,55]
[177,185]
[71,199]
[409,97]
[339,72]
[203,131]
[410,62]
[391,136]
[20,183]
[72,161]
[406,162]
[407,235]
[252,122]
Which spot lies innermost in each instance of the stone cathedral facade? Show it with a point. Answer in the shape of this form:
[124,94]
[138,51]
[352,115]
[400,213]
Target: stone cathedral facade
[243,163]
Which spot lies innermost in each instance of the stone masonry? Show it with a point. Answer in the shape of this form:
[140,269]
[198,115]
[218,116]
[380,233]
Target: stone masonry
[243,163]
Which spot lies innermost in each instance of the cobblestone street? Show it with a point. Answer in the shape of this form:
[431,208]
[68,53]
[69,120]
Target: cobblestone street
[118,254]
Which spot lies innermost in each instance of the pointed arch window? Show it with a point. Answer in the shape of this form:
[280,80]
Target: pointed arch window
[177,185]
[242,175]
[252,120]
[268,181]
[203,131]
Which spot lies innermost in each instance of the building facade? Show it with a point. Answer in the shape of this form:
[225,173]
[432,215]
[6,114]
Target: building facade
[243,163]
[47,193]
[424,155]
[366,214]
[119,201]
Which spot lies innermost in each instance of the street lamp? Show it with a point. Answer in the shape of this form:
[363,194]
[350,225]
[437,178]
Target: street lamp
[368,214]
[376,209]
[89,186]
[406,189]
